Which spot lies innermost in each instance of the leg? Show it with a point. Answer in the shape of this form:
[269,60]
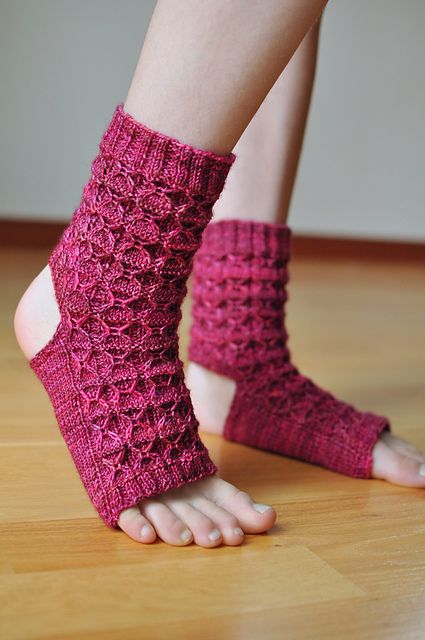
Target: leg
[110,363]
[261,193]
[185,62]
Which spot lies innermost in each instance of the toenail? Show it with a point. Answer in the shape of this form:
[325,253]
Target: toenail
[146,531]
[422,470]
[238,532]
[214,535]
[186,535]
[261,508]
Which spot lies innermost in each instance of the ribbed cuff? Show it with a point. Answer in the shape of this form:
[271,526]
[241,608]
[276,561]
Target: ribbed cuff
[147,485]
[247,238]
[160,157]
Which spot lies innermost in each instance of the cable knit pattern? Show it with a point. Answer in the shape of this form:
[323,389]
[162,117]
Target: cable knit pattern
[119,271]
[239,293]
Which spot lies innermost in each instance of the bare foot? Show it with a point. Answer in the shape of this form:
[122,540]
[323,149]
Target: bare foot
[394,459]
[208,512]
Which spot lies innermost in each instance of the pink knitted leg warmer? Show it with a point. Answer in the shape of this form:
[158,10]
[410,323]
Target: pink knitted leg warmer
[112,369]
[239,295]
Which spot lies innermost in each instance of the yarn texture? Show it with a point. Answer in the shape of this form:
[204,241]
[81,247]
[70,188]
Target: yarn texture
[112,369]
[239,295]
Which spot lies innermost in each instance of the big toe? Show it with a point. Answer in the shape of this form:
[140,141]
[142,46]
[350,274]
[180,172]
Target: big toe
[253,517]
[396,467]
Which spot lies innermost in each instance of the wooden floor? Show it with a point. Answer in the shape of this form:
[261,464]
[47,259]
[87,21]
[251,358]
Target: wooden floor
[347,558]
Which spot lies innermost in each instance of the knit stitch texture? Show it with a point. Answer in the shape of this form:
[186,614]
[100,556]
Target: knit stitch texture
[239,295]
[112,369]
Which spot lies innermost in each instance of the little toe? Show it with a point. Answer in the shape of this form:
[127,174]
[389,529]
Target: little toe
[169,527]
[397,468]
[226,522]
[204,530]
[252,517]
[136,526]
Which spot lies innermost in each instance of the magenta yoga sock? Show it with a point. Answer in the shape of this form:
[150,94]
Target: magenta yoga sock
[112,369]
[239,295]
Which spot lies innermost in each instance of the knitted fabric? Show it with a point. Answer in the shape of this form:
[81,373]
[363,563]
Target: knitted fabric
[119,271]
[239,294]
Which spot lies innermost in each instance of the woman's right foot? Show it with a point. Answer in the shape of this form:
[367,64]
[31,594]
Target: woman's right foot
[103,341]
[208,512]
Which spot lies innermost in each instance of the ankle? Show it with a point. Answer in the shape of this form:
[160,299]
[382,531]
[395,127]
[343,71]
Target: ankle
[205,388]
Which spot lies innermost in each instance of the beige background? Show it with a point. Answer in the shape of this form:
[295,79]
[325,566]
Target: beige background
[64,64]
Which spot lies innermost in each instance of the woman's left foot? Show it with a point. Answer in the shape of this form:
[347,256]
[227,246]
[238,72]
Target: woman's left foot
[394,459]
[398,461]
[240,347]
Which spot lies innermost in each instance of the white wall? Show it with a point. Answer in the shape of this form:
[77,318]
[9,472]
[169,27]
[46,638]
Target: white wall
[64,64]
[363,166]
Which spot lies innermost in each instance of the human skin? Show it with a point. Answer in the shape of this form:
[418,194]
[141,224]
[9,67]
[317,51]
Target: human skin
[262,191]
[205,68]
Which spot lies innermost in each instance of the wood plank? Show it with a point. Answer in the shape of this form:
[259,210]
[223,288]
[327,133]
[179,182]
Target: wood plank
[228,581]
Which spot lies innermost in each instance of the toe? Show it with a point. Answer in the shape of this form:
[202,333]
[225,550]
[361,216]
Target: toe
[397,467]
[226,522]
[205,531]
[403,447]
[169,527]
[136,526]
[409,453]
[252,517]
